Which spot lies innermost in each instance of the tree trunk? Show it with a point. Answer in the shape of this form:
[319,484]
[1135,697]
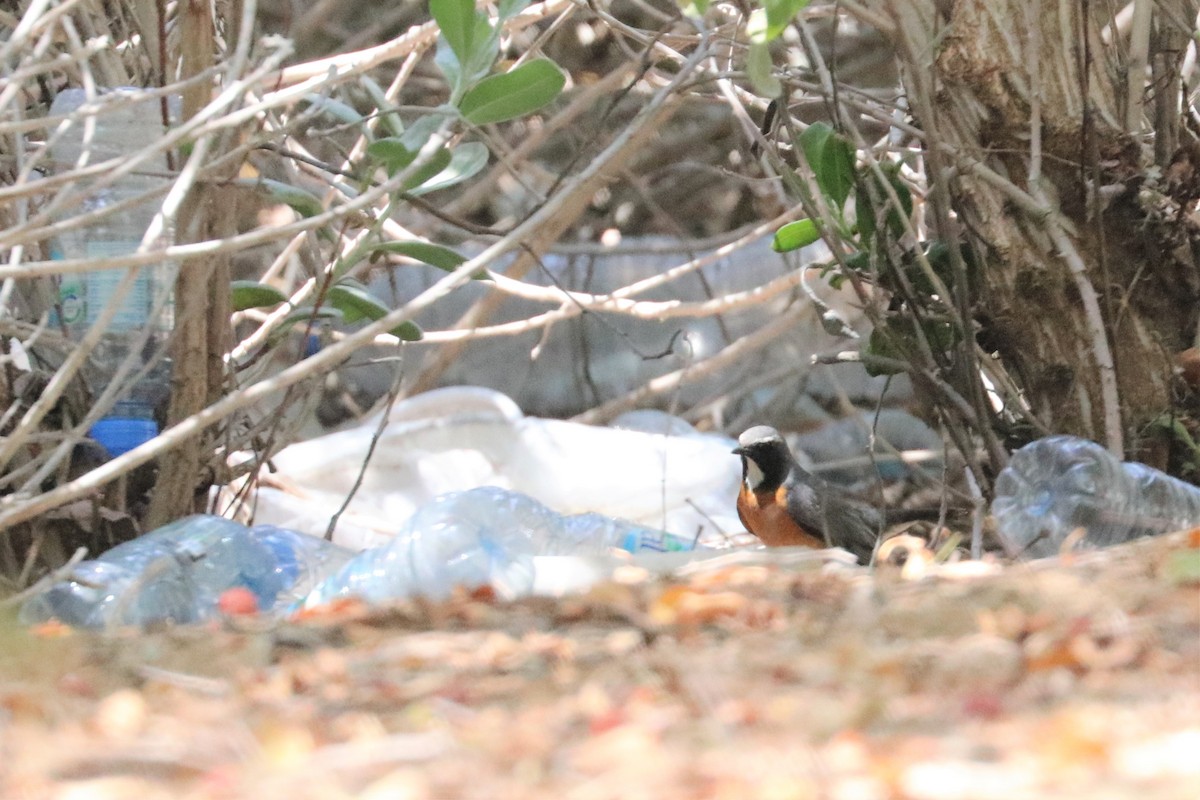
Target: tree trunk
[201,322]
[1039,153]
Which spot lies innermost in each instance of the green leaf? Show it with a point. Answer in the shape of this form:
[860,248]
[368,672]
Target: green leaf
[434,255]
[756,26]
[865,206]
[463,74]
[896,339]
[395,157]
[391,154]
[251,294]
[812,141]
[334,108]
[938,254]
[456,21]
[780,14]
[513,94]
[831,159]
[859,261]
[302,202]
[418,132]
[696,8]
[864,216]
[437,164]
[447,62]
[397,152]
[408,332]
[304,313]
[880,345]
[795,235]
[357,303]
[465,162]
[759,70]
[427,253]
[387,113]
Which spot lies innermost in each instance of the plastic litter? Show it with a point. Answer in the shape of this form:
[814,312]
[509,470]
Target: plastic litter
[482,537]
[144,318]
[600,356]
[178,572]
[851,438]
[462,438]
[1058,484]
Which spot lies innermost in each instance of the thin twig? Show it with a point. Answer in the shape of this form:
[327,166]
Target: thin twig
[731,354]
[1114,434]
[18,509]
[48,580]
[384,419]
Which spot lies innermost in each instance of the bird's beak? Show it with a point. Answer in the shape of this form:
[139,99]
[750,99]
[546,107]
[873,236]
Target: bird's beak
[737,451]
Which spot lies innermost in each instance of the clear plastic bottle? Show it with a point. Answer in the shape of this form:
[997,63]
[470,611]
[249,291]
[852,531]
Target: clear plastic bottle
[481,537]
[177,573]
[301,561]
[1058,484]
[145,316]
[596,532]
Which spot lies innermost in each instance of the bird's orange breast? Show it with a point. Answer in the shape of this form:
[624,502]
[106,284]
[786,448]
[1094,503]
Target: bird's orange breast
[765,515]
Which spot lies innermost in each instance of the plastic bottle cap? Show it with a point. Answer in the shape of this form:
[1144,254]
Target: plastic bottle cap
[119,435]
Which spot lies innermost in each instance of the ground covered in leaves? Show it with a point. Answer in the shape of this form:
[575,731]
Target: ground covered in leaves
[752,675]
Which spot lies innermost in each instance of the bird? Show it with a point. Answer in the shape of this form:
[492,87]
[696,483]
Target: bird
[783,504]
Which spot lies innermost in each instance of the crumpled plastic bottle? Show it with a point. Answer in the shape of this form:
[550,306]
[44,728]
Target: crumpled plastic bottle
[481,537]
[1058,484]
[177,573]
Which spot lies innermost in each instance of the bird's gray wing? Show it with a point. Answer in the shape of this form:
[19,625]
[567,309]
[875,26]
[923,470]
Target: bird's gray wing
[829,513]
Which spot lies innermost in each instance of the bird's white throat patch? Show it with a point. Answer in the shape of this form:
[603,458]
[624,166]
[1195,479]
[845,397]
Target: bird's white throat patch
[754,475]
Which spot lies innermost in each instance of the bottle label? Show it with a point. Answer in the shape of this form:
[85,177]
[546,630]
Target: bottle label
[656,541]
[71,299]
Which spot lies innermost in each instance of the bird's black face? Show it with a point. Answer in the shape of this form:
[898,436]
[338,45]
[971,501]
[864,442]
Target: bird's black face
[766,459]
[752,474]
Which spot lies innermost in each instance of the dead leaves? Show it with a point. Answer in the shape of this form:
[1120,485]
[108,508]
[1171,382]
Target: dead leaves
[733,680]
[688,606]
